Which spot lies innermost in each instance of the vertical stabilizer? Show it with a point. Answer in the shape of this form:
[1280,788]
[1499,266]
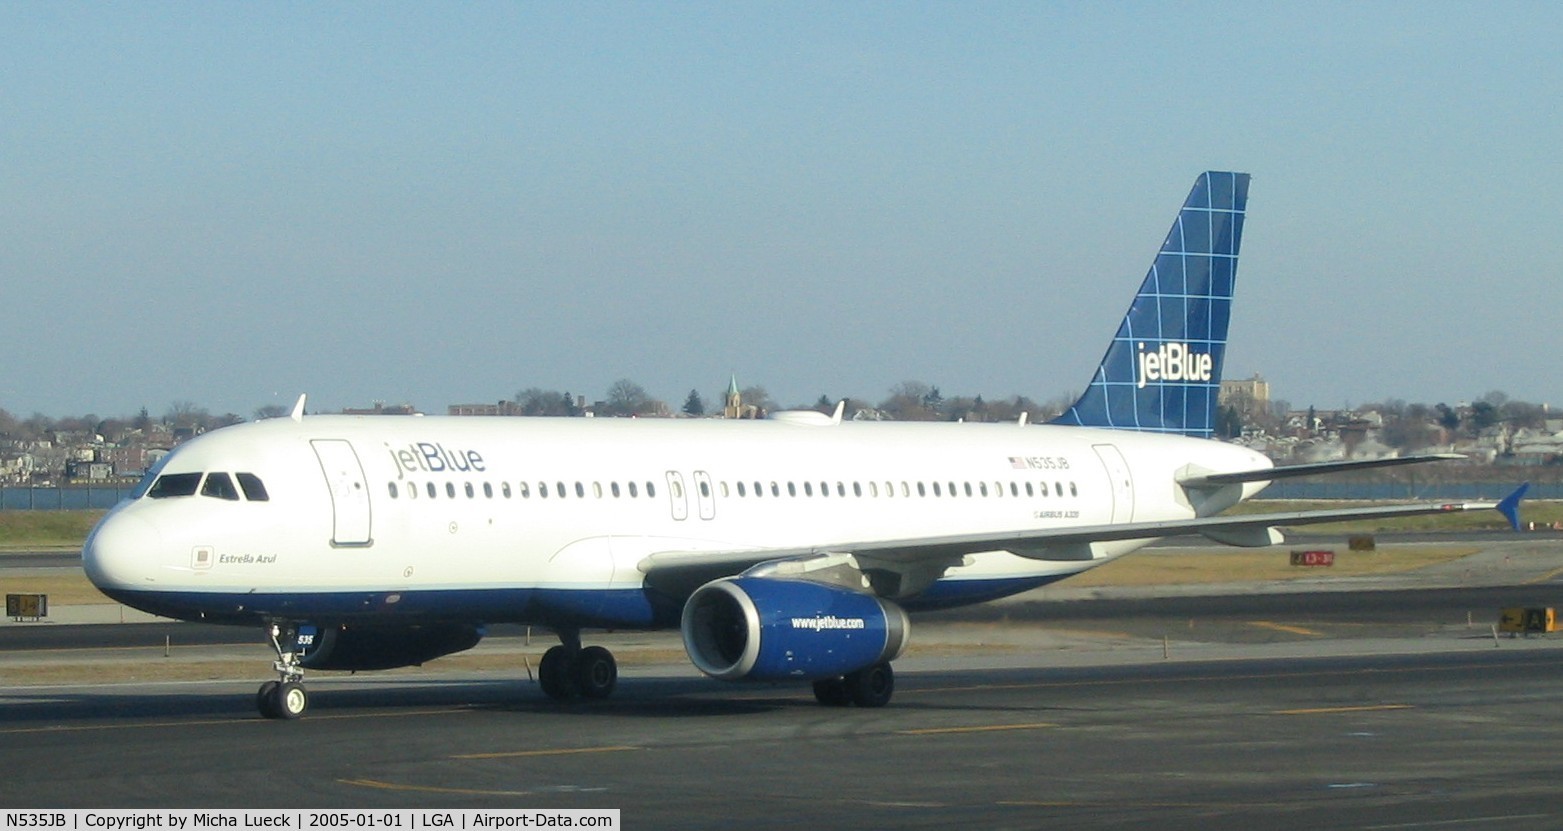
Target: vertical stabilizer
[1162,372]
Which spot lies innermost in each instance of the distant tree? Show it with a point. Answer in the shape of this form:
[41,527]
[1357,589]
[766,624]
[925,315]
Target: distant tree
[539,402]
[1229,422]
[627,398]
[1483,416]
[1411,431]
[1448,419]
[113,430]
[824,404]
[186,414]
[272,411]
[37,426]
[933,402]
[143,420]
[77,424]
[756,397]
[1523,414]
[694,405]
[907,402]
[1052,409]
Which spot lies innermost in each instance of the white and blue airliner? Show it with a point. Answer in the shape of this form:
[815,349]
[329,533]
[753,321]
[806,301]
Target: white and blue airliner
[787,548]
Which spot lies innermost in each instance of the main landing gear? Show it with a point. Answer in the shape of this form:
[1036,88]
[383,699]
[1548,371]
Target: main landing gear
[868,687]
[284,698]
[568,671]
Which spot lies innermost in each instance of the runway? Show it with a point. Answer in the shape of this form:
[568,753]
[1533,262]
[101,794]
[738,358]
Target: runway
[1297,709]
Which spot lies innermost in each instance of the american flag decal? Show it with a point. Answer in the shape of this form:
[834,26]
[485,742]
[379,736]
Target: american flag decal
[1018,463]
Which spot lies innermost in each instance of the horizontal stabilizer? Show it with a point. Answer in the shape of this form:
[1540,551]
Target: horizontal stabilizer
[1269,474]
[1510,506]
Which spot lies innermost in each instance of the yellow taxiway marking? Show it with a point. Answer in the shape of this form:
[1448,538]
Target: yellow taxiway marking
[1545,578]
[986,728]
[1281,627]
[1366,708]
[392,786]
[84,728]
[563,751]
[1065,803]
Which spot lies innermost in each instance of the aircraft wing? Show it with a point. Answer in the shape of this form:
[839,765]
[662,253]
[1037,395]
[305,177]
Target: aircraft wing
[1269,474]
[672,569]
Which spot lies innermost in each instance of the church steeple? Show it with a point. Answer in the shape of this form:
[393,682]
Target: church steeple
[734,407]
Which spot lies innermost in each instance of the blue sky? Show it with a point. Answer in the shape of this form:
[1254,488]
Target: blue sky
[231,204]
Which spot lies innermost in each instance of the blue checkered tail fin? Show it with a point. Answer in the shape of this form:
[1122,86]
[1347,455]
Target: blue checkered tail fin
[1162,372]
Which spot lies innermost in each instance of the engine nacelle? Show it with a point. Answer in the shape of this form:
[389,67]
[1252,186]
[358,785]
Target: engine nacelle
[379,647]
[767,629]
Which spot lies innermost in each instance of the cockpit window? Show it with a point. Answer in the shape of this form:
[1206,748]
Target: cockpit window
[220,486]
[254,490]
[175,484]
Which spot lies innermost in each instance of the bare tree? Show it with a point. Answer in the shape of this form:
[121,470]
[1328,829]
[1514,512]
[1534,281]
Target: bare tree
[540,402]
[908,401]
[186,414]
[627,398]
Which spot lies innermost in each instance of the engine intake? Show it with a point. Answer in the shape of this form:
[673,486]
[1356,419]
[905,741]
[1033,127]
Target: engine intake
[767,629]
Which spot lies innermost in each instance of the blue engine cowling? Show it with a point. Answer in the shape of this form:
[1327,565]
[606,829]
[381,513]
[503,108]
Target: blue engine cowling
[768,629]
[366,648]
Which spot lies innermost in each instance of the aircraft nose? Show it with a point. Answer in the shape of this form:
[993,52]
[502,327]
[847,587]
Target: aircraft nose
[117,551]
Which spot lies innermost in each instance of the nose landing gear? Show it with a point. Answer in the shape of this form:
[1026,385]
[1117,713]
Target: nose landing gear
[284,698]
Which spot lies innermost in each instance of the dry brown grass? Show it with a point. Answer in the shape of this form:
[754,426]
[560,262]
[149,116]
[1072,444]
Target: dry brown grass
[1255,565]
[69,589]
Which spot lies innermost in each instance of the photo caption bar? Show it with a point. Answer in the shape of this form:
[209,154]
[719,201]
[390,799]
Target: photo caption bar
[293,819]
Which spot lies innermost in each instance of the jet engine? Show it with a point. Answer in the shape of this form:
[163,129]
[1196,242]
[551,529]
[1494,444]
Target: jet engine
[380,647]
[767,629]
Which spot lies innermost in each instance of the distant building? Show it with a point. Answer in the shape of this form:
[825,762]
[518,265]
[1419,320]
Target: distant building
[502,408]
[735,406]
[380,408]
[1250,397]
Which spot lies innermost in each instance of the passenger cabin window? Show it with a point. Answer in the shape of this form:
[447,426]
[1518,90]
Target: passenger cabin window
[175,484]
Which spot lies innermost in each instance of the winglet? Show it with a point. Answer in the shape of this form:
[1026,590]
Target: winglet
[298,409]
[1510,506]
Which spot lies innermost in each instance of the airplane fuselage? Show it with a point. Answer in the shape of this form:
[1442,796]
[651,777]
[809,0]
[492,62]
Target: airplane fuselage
[549,521]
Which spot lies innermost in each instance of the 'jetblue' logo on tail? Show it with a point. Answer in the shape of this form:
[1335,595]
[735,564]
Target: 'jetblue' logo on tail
[1173,362]
[1162,371]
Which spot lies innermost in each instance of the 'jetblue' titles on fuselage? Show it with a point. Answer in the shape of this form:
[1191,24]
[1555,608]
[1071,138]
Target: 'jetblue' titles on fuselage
[1174,362]
[432,457]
